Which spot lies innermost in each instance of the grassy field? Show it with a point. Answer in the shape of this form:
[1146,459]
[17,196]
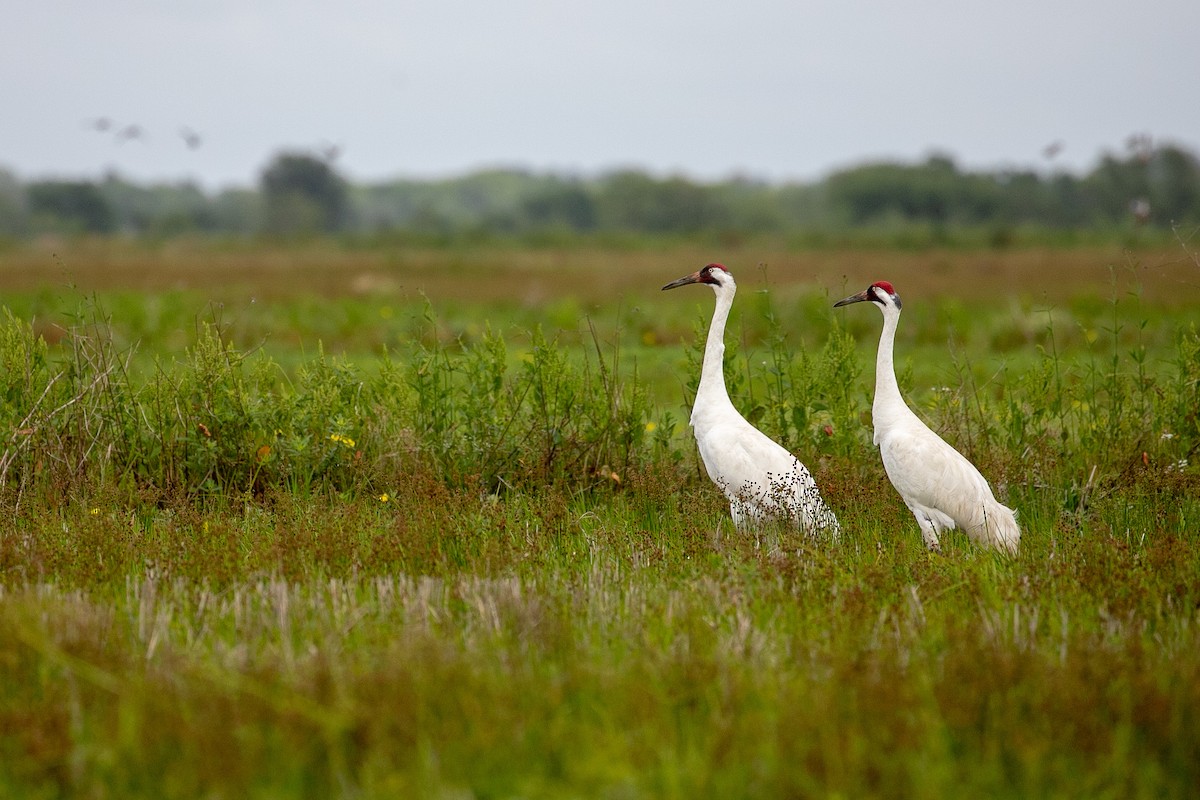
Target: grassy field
[333,521]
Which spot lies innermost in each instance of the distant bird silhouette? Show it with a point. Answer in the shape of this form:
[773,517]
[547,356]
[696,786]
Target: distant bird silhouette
[190,138]
[330,151]
[1141,145]
[939,485]
[1053,149]
[100,124]
[129,133]
[760,478]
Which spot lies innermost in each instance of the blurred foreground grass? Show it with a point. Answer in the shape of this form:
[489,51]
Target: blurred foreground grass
[440,645]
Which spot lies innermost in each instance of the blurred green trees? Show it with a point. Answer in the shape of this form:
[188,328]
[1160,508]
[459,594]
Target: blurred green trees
[1144,187]
[302,194]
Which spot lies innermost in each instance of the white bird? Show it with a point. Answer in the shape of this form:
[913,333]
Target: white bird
[761,479]
[939,485]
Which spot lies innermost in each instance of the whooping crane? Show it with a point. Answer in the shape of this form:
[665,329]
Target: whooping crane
[941,487]
[761,479]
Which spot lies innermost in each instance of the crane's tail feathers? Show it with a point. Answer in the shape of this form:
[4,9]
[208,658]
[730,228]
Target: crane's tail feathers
[792,495]
[805,509]
[821,520]
[1000,529]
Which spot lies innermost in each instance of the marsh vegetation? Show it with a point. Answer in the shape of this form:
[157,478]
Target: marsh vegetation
[331,520]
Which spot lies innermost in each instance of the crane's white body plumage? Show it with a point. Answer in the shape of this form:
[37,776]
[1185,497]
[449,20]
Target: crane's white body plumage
[939,485]
[761,479]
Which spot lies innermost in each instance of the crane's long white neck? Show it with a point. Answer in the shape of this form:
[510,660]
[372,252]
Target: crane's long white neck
[888,403]
[712,372]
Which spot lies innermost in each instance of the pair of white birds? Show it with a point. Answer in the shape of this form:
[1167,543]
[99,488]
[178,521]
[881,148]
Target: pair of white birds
[762,480]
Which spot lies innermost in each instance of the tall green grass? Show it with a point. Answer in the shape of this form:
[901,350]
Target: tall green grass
[571,408]
[486,562]
[439,644]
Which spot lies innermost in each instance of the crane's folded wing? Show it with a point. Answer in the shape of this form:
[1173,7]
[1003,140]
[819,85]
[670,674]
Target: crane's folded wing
[927,471]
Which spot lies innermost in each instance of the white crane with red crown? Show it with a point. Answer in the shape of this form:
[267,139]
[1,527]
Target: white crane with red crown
[939,485]
[760,478]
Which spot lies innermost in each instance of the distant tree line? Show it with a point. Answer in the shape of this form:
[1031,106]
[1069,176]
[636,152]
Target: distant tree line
[303,194]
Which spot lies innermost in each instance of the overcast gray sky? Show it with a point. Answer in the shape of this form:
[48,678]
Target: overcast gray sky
[763,88]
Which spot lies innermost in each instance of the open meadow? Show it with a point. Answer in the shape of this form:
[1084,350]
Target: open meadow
[336,520]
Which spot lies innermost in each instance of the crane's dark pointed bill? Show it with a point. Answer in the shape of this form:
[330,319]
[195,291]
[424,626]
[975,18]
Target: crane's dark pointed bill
[704,275]
[695,277]
[861,297]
